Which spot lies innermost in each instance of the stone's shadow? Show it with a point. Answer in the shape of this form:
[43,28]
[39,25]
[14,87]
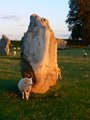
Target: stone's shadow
[10,87]
[10,57]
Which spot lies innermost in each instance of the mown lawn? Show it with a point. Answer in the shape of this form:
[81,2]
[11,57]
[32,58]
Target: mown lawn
[69,99]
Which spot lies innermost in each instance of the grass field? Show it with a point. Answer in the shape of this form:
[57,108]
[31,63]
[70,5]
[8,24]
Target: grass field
[69,99]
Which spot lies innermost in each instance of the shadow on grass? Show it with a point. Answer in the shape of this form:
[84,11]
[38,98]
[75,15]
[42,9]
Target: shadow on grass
[10,57]
[10,87]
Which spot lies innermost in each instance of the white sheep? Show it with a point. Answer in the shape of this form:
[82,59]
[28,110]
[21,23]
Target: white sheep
[14,53]
[25,86]
[85,54]
[83,50]
[14,48]
[18,48]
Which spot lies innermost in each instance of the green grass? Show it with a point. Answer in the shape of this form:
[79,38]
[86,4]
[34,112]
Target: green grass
[69,99]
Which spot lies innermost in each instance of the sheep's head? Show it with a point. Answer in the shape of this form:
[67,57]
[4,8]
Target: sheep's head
[28,81]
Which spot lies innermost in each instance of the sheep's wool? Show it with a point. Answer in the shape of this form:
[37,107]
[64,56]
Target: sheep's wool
[39,54]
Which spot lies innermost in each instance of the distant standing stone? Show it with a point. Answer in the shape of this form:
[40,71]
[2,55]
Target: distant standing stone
[62,43]
[4,45]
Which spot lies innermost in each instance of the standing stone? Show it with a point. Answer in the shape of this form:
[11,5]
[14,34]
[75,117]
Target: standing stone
[39,54]
[4,45]
[62,43]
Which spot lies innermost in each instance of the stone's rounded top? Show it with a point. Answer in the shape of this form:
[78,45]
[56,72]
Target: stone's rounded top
[5,37]
[34,15]
[37,21]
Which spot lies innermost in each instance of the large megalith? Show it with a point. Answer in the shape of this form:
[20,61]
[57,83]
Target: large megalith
[4,45]
[39,54]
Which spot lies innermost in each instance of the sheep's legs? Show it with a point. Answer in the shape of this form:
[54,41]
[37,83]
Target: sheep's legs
[27,95]
[22,95]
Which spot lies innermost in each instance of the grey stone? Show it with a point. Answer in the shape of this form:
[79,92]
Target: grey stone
[4,45]
[39,55]
[62,43]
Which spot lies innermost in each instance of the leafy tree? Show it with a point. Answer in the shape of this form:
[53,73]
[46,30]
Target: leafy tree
[84,14]
[73,20]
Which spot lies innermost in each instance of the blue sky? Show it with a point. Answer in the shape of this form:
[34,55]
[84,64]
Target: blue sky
[15,16]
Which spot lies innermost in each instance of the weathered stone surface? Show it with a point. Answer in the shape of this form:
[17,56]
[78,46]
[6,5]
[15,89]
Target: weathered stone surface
[39,54]
[4,45]
[62,43]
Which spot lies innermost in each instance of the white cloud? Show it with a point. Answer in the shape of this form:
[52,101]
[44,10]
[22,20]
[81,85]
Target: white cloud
[10,17]
[62,34]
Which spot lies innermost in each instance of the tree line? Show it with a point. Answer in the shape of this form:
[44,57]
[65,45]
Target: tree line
[78,20]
